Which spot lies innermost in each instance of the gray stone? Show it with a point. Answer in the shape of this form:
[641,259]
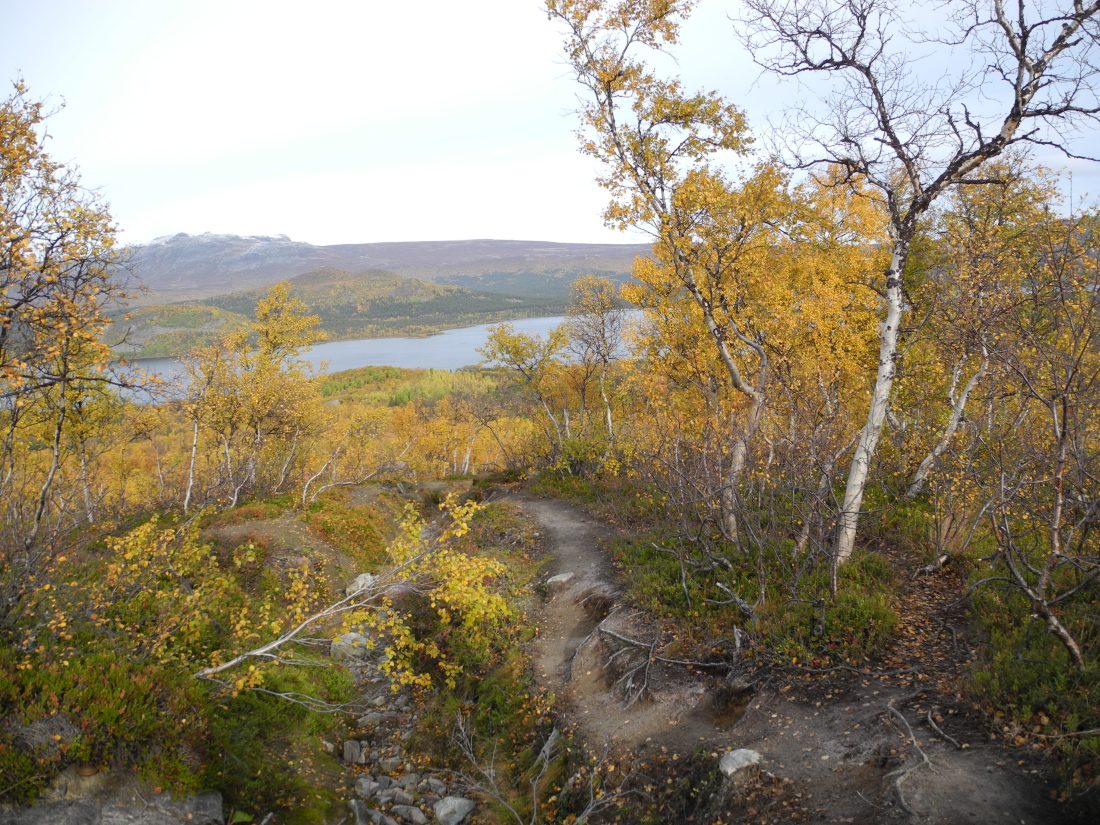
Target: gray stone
[452,810]
[353,752]
[389,765]
[733,762]
[437,786]
[409,780]
[366,787]
[383,782]
[559,582]
[370,721]
[403,797]
[160,809]
[410,814]
[360,812]
[348,647]
[364,581]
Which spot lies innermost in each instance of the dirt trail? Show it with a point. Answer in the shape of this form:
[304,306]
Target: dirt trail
[844,750]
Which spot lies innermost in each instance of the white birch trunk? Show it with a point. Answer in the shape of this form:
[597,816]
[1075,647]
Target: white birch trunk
[191,466]
[848,519]
[916,484]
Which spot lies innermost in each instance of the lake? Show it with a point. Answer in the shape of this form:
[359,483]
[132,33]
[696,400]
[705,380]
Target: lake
[447,350]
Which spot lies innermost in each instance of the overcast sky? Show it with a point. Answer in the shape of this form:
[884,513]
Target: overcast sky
[332,122]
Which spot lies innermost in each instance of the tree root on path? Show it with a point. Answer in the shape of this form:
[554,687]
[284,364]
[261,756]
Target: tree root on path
[635,680]
[903,773]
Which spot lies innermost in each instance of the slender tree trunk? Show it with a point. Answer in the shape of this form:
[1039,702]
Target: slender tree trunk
[738,462]
[290,456]
[606,408]
[55,463]
[880,399]
[160,469]
[85,487]
[916,484]
[191,466]
[554,423]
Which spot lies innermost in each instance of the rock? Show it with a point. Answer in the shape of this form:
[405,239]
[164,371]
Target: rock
[366,787]
[71,783]
[403,797]
[736,761]
[379,700]
[436,786]
[383,782]
[409,780]
[410,814]
[389,765]
[559,582]
[370,721]
[360,813]
[349,647]
[364,581]
[353,753]
[452,810]
[159,809]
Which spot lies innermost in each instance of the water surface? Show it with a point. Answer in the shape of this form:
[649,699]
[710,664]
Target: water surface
[447,350]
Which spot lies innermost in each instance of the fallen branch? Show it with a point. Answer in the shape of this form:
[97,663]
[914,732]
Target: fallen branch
[940,562]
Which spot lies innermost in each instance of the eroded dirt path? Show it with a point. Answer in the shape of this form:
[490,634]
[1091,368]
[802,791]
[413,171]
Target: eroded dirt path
[838,753]
[570,655]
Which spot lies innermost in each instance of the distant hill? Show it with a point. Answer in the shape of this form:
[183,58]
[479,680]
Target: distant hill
[373,303]
[189,267]
[350,304]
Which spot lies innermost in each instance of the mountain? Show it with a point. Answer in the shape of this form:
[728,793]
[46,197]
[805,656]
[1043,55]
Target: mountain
[350,305]
[182,267]
[374,303]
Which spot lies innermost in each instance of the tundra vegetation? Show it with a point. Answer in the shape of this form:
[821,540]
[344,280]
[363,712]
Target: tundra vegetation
[892,327]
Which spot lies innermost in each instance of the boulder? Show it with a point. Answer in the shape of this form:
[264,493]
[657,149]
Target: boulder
[559,582]
[740,763]
[366,787]
[353,752]
[360,813]
[364,581]
[451,810]
[410,814]
[349,647]
[403,797]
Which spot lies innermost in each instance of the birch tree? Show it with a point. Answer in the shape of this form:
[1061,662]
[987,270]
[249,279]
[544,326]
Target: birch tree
[1027,77]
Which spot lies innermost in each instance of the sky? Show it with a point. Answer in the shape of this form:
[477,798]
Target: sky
[334,122]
